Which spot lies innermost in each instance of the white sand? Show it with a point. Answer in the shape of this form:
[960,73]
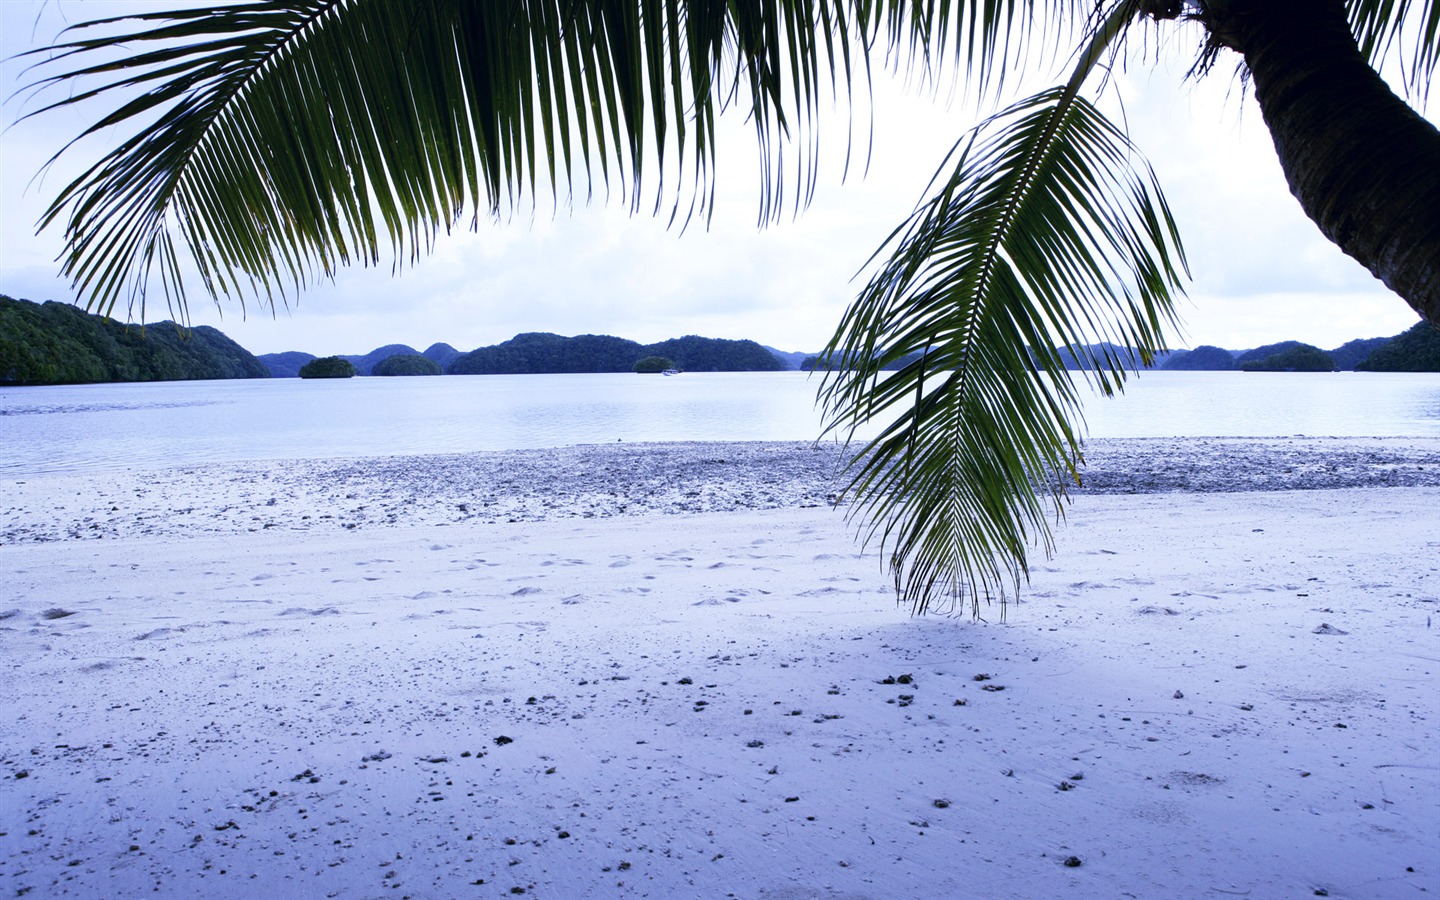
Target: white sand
[1203,695]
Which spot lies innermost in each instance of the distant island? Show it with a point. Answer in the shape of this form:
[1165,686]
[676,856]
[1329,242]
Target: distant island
[541,353]
[57,343]
[328,367]
[1415,350]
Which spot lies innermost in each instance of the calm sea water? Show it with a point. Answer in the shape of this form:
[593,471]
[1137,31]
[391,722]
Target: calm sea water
[89,427]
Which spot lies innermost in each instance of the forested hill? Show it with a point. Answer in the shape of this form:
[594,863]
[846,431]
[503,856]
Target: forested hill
[1416,350]
[541,353]
[56,343]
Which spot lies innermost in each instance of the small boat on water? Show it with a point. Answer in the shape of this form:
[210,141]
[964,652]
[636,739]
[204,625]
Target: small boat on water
[671,372]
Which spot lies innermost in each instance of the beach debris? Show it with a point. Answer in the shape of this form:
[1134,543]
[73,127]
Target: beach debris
[981,677]
[940,803]
[1178,695]
[56,613]
[1327,628]
[377,756]
[1072,862]
[992,687]
[898,679]
[1196,779]
[502,740]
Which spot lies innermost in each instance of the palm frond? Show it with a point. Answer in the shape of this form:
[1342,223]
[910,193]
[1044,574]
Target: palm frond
[1410,29]
[275,141]
[1048,231]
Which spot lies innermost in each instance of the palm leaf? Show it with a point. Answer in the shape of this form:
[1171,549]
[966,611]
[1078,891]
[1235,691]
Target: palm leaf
[278,140]
[1408,28]
[1047,231]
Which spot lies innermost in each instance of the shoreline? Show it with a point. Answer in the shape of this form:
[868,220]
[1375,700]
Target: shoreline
[625,480]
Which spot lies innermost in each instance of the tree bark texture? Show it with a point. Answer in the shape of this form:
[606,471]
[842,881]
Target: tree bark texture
[1363,164]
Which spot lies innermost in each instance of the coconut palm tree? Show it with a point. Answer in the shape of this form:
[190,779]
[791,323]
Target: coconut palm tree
[274,141]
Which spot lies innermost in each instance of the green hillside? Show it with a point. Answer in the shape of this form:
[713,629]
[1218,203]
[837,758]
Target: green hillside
[56,343]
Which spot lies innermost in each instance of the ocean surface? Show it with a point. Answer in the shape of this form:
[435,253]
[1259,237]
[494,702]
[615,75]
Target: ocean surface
[165,424]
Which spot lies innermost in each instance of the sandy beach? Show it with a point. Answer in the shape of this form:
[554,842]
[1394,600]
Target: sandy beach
[670,671]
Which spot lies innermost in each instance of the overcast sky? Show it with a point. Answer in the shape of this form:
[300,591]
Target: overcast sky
[1262,271]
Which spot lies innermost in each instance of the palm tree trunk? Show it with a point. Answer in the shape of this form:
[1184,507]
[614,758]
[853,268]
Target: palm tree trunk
[1364,165]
